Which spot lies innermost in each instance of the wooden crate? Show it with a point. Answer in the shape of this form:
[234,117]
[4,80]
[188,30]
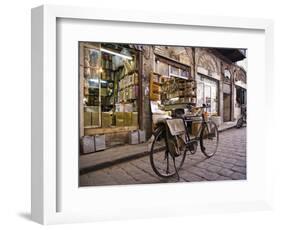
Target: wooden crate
[87,118]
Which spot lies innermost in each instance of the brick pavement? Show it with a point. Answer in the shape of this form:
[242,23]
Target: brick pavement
[229,163]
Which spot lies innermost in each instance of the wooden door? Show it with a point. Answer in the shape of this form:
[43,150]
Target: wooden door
[226,107]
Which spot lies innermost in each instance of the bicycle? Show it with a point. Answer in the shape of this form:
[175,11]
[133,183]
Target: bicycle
[163,162]
[243,118]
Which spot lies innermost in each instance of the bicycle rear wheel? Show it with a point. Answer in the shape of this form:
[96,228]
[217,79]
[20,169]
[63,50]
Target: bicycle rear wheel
[160,158]
[239,123]
[209,139]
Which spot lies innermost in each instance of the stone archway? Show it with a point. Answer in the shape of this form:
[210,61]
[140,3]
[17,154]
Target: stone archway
[208,62]
[240,75]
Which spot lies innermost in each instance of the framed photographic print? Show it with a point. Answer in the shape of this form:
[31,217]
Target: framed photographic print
[139,114]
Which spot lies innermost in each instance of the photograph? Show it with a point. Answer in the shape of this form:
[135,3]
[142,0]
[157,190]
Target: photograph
[159,113]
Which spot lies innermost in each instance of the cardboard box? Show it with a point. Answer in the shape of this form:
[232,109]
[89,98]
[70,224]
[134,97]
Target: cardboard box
[106,119]
[136,78]
[90,144]
[99,142]
[119,122]
[119,115]
[95,119]
[119,107]
[127,118]
[91,108]
[135,119]
[141,136]
[128,107]
[87,145]
[136,137]
[87,118]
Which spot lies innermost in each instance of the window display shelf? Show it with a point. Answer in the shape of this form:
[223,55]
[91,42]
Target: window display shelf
[91,130]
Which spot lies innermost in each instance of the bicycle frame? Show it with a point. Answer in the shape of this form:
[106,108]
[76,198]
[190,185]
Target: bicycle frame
[181,148]
[202,123]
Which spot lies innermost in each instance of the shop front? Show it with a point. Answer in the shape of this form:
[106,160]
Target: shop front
[240,93]
[125,89]
[207,93]
[109,92]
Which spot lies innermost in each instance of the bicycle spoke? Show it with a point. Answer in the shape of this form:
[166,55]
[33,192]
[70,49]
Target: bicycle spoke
[168,166]
[160,157]
[209,139]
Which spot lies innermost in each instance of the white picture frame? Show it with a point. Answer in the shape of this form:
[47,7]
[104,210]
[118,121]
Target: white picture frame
[49,191]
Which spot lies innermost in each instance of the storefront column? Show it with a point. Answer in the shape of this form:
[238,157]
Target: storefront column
[232,100]
[221,99]
[148,67]
[81,90]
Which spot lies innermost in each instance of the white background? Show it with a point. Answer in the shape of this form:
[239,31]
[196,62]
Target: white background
[15,114]
[190,197]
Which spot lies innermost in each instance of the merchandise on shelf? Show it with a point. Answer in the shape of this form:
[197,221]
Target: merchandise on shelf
[106,119]
[87,118]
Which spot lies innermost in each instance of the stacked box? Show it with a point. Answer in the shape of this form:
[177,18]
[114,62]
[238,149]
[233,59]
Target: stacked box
[95,119]
[106,119]
[87,118]
[127,118]
[128,107]
[91,109]
[119,122]
[119,118]
[99,142]
[141,136]
[136,90]
[136,137]
[87,145]
[90,144]
[136,78]
[130,92]
[134,118]
[131,80]
[126,94]
[119,107]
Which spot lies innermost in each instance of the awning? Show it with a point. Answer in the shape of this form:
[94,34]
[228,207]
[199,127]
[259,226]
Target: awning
[232,54]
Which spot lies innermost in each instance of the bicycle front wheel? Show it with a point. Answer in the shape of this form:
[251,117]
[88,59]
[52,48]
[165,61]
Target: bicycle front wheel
[209,139]
[160,158]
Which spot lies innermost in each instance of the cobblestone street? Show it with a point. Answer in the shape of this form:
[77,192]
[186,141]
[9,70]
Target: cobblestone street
[229,163]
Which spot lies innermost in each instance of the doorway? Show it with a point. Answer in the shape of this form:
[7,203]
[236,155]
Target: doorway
[226,107]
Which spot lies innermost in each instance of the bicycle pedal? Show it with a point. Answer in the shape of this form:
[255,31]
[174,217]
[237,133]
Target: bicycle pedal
[192,145]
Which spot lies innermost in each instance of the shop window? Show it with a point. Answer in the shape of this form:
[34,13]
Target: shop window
[241,96]
[207,93]
[110,87]
[162,68]
[171,68]
[171,84]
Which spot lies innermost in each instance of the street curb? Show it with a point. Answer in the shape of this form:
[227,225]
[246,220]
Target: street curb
[124,159]
[112,162]
[231,127]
